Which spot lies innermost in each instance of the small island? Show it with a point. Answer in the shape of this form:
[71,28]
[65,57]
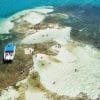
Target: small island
[49,63]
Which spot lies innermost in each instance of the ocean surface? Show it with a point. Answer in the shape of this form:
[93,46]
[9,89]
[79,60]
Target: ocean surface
[9,7]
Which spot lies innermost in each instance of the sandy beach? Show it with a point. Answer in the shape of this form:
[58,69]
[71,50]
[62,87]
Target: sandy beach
[30,15]
[72,72]
[68,73]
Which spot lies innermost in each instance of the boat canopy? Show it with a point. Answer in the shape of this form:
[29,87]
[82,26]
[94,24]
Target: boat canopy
[9,47]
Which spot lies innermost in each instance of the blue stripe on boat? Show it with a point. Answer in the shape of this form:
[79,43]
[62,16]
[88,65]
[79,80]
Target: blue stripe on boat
[9,47]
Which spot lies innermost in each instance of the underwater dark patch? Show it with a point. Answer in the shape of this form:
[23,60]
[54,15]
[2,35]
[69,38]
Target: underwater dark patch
[85,23]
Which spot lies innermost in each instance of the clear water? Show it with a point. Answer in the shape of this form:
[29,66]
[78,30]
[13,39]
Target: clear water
[9,7]
[84,16]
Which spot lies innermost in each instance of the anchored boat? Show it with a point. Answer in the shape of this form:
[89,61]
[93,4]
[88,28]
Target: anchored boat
[9,52]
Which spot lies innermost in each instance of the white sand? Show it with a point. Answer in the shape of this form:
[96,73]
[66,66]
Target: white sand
[30,93]
[42,10]
[62,34]
[28,51]
[67,73]
[33,16]
[62,78]
[5,25]
[77,71]
[60,15]
[34,94]
[37,15]
[9,94]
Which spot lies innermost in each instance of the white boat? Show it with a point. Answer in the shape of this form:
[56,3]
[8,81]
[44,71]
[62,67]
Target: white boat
[9,52]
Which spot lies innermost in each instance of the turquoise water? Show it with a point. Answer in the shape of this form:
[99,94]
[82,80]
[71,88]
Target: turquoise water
[9,7]
[83,15]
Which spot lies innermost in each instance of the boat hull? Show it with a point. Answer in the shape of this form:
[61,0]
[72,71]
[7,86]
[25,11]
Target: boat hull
[9,54]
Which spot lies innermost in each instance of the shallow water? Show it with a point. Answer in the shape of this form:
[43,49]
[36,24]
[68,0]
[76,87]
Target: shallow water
[85,23]
[9,7]
[84,18]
